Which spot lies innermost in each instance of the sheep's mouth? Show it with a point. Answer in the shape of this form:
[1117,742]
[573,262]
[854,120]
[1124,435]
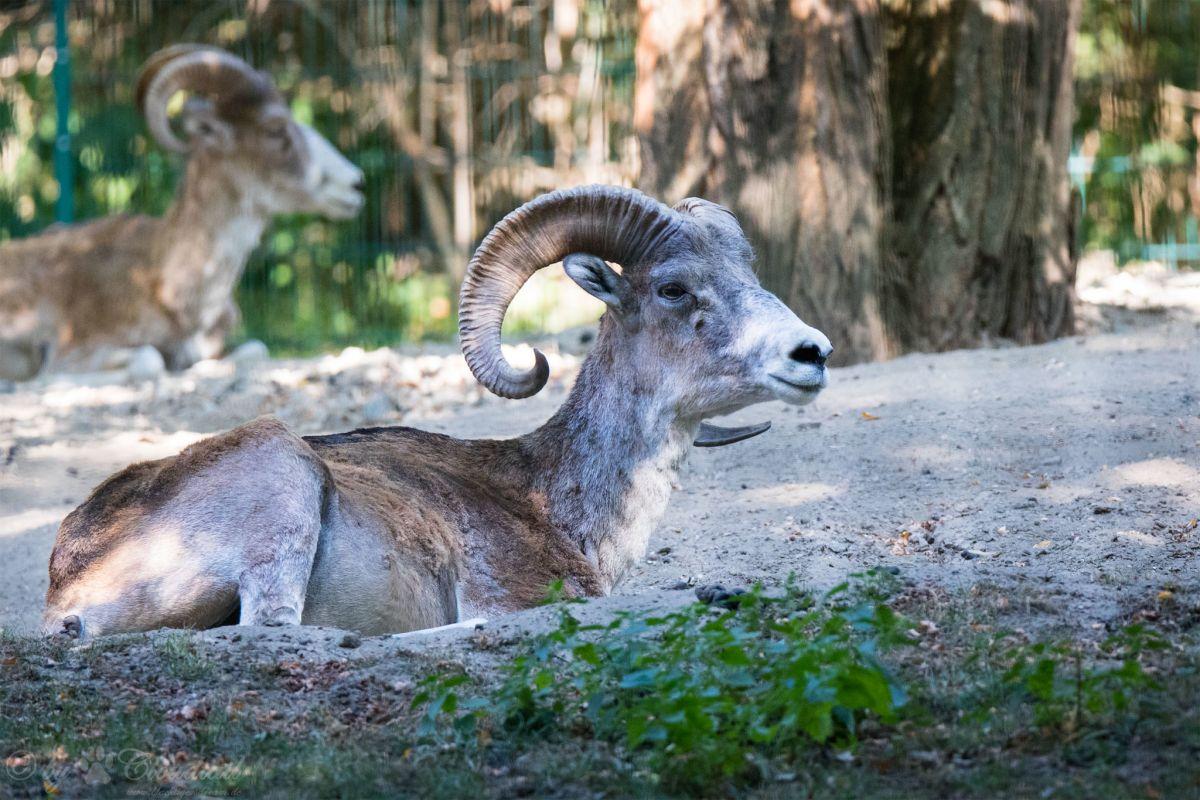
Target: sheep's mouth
[339,202]
[799,392]
[803,386]
[343,205]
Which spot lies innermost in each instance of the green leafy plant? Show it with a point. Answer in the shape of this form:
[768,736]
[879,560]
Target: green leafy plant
[705,694]
[1071,688]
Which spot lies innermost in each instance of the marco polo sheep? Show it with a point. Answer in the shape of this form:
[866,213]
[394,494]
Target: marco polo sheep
[75,295]
[396,529]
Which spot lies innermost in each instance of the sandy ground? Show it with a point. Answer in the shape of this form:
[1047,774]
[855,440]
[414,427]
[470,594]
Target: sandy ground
[1059,483]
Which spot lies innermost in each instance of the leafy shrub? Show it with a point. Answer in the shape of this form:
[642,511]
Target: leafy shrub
[1070,691]
[704,694]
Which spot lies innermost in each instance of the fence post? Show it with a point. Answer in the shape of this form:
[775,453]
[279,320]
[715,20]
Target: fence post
[64,164]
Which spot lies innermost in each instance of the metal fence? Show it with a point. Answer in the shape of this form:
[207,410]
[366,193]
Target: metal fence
[456,112]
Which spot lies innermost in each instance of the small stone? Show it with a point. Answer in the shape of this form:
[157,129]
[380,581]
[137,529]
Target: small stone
[146,364]
[1103,509]
[350,641]
[251,350]
[719,595]
[247,356]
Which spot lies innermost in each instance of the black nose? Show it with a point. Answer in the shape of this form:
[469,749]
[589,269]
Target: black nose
[360,185]
[809,353]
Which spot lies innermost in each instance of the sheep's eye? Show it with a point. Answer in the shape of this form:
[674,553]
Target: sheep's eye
[671,291]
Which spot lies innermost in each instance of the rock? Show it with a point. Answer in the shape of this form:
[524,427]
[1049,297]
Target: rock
[379,408]
[350,641]
[251,352]
[719,595]
[146,364]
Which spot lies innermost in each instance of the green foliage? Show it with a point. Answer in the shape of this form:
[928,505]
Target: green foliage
[703,695]
[1071,689]
[1135,70]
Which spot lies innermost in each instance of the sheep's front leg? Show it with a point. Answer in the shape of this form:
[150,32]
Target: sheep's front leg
[274,583]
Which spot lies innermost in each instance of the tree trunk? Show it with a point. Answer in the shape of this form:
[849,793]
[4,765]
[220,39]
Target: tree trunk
[981,233]
[777,111]
[900,166]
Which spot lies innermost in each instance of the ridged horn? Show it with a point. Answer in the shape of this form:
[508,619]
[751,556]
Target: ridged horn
[196,68]
[616,224]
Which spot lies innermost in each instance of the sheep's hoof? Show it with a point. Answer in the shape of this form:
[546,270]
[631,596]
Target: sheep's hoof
[72,627]
[280,617]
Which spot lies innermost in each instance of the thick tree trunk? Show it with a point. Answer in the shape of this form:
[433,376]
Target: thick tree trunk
[981,233]
[900,166]
[777,110]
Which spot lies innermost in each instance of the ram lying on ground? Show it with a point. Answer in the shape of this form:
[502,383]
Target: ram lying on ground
[395,529]
[74,296]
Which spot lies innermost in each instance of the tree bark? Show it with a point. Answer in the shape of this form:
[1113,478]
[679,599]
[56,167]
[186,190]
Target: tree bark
[777,111]
[981,234]
[900,166]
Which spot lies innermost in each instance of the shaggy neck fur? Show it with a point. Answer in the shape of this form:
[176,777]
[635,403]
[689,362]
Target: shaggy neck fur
[213,220]
[609,458]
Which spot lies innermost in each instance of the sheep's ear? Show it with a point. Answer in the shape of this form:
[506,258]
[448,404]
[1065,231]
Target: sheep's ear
[715,435]
[204,129]
[599,280]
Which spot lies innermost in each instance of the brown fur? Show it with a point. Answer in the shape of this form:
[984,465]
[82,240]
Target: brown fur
[120,504]
[447,502]
[432,489]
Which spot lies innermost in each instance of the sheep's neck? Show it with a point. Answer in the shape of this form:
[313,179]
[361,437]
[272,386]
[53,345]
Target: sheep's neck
[208,235]
[608,461]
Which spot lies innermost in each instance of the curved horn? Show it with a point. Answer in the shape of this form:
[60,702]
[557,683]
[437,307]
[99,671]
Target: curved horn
[619,225]
[194,67]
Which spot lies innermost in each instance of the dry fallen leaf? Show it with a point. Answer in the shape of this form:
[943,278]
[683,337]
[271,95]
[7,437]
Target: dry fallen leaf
[867,415]
[1043,544]
[1165,594]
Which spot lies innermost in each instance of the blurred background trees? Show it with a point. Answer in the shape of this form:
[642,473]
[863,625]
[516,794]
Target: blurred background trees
[456,112]
[905,168]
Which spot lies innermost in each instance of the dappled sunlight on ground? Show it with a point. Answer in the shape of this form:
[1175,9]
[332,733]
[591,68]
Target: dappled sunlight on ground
[789,494]
[1138,537]
[1165,472]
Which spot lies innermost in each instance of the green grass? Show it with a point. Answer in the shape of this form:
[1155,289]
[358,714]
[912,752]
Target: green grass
[183,657]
